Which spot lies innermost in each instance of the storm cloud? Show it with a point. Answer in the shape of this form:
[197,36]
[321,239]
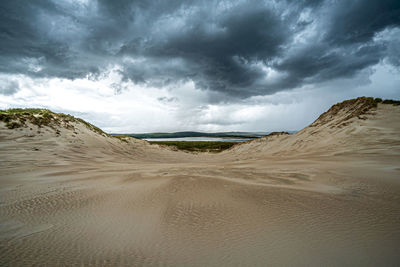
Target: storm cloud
[8,87]
[237,48]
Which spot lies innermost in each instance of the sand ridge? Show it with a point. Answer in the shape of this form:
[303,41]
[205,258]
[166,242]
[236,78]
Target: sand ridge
[328,195]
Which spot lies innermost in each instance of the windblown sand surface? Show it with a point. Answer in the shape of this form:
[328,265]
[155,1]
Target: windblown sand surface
[327,196]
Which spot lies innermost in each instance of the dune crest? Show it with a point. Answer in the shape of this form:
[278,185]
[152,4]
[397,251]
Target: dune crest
[352,126]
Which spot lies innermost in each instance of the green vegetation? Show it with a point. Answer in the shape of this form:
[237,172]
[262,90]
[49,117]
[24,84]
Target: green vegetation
[354,108]
[18,117]
[388,101]
[369,101]
[392,102]
[196,146]
[122,138]
[277,133]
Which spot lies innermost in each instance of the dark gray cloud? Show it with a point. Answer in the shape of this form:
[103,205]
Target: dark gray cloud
[231,47]
[358,21]
[319,62]
[8,87]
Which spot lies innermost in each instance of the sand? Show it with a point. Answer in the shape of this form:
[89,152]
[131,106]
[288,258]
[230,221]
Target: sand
[327,196]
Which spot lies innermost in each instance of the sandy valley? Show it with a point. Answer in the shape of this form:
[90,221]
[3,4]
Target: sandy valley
[328,195]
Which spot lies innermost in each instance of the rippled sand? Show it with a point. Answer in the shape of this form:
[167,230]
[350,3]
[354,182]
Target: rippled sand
[104,207]
[180,214]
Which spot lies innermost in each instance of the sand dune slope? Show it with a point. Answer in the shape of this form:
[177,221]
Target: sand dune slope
[326,196]
[355,126]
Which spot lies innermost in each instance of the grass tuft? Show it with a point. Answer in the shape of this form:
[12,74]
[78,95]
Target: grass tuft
[392,102]
[354,108]
[18,117]
[122,138]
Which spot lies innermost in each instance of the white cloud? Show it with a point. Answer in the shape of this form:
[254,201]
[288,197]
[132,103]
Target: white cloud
[140,108]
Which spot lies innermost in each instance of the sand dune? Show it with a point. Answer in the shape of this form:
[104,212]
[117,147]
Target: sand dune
[326,196]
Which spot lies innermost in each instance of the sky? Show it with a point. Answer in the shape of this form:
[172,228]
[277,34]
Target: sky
[197,65]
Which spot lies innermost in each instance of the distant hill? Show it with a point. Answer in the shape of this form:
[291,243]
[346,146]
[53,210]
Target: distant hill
[198,134]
